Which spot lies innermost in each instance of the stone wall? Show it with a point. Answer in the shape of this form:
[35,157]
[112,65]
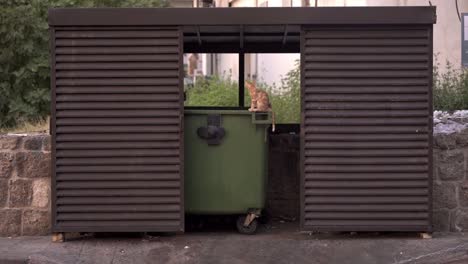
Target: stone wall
[25,182]
[24,185]
[450,193]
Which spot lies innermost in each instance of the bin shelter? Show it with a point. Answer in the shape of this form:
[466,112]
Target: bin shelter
[117,111]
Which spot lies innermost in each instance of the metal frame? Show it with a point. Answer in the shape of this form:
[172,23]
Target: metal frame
[400,228]
[431,128]
[286,18]
[241,79]
[181,133]
[240,16]
[53,131]
[463,43]
[302,135]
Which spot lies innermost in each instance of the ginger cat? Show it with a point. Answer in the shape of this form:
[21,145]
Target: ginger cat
[260,101]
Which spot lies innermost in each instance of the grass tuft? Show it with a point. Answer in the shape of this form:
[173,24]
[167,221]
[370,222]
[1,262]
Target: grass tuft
[41,126]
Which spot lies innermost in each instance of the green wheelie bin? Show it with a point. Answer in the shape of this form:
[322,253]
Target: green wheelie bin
[225,164]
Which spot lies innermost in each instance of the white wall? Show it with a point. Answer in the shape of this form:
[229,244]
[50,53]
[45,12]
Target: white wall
[244,3]
[272,67]
[228,66]
[338,3]
[447,31]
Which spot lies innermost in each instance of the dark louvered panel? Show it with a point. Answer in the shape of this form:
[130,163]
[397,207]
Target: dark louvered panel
[365,132]
[118,129]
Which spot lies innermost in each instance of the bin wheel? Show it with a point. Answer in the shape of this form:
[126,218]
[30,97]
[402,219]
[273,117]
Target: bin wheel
[247,230]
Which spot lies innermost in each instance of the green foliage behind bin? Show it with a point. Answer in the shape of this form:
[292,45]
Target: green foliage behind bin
[218,91]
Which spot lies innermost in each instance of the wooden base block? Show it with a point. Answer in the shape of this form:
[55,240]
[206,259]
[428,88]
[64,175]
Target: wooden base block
[58,237]
[425,235]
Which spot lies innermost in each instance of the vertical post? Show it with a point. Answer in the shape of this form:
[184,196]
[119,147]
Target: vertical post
[241,78]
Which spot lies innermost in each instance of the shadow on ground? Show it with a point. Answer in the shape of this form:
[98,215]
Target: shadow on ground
[277,241]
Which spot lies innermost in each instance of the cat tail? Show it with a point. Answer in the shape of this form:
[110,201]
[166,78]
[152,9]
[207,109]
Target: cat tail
[272,121]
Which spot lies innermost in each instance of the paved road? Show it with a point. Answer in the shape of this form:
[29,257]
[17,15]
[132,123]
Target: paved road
[269,246]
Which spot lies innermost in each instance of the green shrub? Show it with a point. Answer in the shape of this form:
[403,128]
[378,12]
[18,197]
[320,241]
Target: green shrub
[24,66]
[286,99]
[450,88]
[217,91]
[24,55]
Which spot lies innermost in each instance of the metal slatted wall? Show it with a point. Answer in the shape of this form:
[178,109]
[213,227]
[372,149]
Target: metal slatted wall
[366,135]
[117,112]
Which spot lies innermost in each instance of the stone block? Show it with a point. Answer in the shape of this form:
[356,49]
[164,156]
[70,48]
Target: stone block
[462,138]
[9,142]
[460,222]
[36,223]
[33,164]
[453,216]
[46,145]
[10,224]
[33,142]
[20,193]
[441,220]
[3,192]
[41,192]
[451,165]
[444,195]
[6,164]
[445,141]
[463,194]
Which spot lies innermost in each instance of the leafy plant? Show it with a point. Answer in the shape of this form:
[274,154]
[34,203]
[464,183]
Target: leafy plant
[24,55]
[215,91]
[24,70]
[218,91]
[450,87]
[286,99]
